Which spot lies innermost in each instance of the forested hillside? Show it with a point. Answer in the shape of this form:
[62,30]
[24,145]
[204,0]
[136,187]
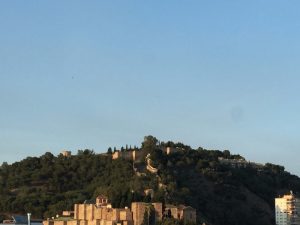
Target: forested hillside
[222,195]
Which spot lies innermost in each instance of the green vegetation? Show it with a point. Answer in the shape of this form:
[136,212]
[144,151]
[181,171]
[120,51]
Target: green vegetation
[2,217]
[47,185]
[222,195]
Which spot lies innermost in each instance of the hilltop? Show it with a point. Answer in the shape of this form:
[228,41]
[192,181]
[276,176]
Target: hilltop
[224,188]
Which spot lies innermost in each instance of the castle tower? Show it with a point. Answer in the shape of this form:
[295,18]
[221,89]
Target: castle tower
[142,209]
[101,200]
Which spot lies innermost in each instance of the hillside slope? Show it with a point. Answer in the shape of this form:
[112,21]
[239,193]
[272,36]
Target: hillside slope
[222,194]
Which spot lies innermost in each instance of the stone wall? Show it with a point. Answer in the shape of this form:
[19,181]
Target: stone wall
[173,211]
[134,155]
[93,215]
[90,214]
[170,150]
[139,155]
[72,222]
[48,222]
[138,210]
[127,155]
[60,222]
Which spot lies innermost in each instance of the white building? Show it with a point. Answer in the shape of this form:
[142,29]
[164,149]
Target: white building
[287,210]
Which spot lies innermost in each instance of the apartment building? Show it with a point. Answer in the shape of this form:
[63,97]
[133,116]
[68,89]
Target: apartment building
[287,210]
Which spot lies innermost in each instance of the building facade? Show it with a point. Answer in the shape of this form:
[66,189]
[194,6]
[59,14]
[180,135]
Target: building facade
[287,210]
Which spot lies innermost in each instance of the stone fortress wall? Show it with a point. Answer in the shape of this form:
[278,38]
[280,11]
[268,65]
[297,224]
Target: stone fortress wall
[102,213]
[139,155]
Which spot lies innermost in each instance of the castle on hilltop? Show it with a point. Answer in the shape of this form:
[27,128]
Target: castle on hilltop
[139,155]
[101,212]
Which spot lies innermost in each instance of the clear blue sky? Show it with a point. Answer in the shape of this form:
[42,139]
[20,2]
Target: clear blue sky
[94,74]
